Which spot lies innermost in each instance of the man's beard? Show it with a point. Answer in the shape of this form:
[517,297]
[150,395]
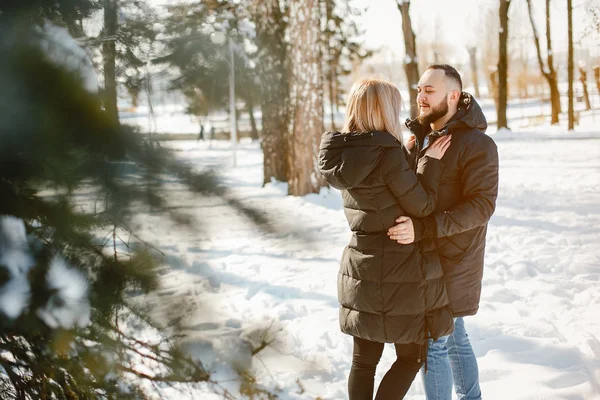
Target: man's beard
[436,113]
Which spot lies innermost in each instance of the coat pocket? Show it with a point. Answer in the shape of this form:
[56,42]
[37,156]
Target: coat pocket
[440,322]
[449,249]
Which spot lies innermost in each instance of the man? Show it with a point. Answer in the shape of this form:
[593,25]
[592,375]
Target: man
[466,201]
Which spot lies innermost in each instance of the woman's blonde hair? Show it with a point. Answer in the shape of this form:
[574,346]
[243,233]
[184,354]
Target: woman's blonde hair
[374,105]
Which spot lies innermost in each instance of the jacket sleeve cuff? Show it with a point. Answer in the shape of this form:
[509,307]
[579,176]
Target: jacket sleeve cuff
[411,156]
[424,228]
[427,163]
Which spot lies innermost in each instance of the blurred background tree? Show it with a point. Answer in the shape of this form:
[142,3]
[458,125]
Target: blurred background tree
[71,324]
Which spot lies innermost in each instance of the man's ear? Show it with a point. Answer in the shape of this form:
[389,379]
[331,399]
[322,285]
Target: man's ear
[455,95]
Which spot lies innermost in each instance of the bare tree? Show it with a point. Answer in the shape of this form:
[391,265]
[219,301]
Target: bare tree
[488,43]
[570,66]
[503,65]
[586,95]
[306,97]
[597,78]
[268,18]
[520,71]
[342,47]
[474,75]
[411,66]
[591,19]
[547,70]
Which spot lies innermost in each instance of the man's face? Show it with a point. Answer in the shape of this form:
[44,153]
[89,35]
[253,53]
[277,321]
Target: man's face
[432,96]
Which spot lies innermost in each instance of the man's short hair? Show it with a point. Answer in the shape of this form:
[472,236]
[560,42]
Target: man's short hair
[450,72]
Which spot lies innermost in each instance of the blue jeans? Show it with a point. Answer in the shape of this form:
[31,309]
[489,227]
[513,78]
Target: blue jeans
[451,358]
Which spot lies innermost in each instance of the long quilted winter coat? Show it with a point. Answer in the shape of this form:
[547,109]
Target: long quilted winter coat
[388,292]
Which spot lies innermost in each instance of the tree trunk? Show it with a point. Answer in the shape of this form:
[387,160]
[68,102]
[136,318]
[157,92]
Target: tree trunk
[134,98]
[270,34]
[411,66]
[109,56]
[554,92]
[254,130]
[586,96]
[336,99]
[306,98]
[237,126]
[493,82]
[570,65]
[554,99]
[474,76]
[332,78]
[503,64]
[547,71]
[597,78]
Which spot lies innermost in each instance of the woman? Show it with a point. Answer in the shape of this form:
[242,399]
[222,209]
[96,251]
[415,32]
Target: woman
[388,293]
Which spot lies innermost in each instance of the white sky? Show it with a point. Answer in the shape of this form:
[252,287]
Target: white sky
[383,23]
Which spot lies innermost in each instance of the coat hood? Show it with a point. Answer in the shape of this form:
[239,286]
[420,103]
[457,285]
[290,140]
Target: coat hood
[468,116]
[346,159]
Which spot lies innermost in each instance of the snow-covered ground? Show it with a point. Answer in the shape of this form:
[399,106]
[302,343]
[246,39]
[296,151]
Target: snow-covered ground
[536,336]
[171,118]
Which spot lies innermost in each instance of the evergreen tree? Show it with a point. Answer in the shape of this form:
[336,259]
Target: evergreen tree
[270,20]
[67,13]
[136,47]
[341,49]
[203,65]
[69,319]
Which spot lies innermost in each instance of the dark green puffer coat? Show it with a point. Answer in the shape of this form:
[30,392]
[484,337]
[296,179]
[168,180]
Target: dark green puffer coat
[388,292]
[466,202]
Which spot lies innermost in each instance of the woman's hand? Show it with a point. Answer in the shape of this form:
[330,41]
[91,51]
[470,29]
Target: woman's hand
[439,147]
[410,144]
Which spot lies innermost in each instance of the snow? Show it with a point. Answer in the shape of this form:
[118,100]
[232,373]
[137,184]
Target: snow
[63,50]
[537,334]
[12,233]
[247,29]
[14,256]
[69,306]
[14,295]
[172,119]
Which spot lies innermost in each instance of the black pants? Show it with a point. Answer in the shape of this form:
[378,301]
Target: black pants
[396,381]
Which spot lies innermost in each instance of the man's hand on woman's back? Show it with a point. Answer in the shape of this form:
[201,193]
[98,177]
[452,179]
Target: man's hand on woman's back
[404,232]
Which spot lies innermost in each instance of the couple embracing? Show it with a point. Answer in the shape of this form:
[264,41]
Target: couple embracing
[418,212]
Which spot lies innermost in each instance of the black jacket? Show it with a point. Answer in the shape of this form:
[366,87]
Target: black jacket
[388,292]
[466,201]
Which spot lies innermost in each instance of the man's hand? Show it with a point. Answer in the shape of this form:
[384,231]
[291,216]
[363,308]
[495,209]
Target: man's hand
[404,232]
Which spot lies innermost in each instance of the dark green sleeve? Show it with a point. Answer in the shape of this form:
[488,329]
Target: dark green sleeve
[479,181]
[416,195]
